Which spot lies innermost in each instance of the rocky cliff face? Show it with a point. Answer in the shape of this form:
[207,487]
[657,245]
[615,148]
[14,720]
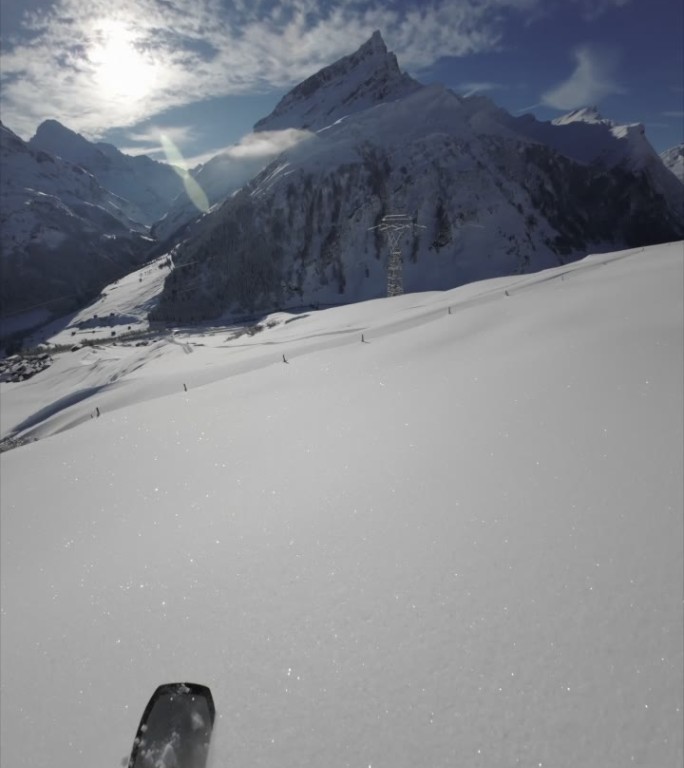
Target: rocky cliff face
[495,195]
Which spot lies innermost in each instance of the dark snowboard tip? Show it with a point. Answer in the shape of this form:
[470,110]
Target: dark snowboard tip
[178,716]
[194,690]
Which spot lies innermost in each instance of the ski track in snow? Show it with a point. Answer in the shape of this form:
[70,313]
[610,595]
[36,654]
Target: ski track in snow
[457,544]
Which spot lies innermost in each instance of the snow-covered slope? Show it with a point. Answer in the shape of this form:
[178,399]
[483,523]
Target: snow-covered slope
[459,543]
[148,185]
[121,308]
[63,235]
[218,178]
[674,160]
[490,197]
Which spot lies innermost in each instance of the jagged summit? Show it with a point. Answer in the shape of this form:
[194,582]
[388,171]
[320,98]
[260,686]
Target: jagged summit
[369,76]
[53,137]
[373,46]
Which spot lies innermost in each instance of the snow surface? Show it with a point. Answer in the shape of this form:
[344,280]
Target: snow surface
[456,544]
[121,307]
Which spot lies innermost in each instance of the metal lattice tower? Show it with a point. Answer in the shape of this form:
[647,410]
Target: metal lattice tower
[393,227]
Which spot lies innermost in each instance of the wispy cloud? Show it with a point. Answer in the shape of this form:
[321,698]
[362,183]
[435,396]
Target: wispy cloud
[591,81]
[594,9]
[267,143]
[154,142]
[148,140]
[674,113]
[469,89]
[95,65]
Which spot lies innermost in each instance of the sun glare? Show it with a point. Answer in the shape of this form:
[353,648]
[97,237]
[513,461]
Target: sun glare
[120,69]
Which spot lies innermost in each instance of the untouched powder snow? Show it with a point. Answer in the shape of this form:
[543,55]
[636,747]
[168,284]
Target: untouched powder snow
[456,543]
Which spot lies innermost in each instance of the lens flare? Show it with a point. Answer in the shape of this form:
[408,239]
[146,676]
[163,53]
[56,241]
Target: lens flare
[175,159]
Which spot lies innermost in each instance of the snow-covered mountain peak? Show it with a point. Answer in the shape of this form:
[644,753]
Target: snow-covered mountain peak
[589,127]
[374,46]
[53,128]
[63,235]
[149,185]
[355,82]
[53,137]
[583,115]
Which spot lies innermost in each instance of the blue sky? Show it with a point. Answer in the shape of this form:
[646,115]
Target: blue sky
[202,72]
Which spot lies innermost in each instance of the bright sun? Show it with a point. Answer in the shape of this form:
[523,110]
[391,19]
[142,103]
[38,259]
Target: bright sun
[120,69]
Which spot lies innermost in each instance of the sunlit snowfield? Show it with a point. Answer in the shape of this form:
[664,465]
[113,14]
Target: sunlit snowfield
[458,542]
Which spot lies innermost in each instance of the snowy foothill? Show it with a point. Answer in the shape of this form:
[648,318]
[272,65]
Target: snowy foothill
[440,529]
[121,308]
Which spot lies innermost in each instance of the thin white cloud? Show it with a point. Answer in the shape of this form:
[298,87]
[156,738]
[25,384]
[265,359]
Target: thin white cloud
[674,113]
[94,65]
[267,143]
[150,136]
[594,9]
[588,10]
[470,89]
[591,81]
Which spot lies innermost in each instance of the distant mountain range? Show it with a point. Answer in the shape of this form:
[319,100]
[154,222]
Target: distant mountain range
[492,194]
[149,186]
[62,234]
